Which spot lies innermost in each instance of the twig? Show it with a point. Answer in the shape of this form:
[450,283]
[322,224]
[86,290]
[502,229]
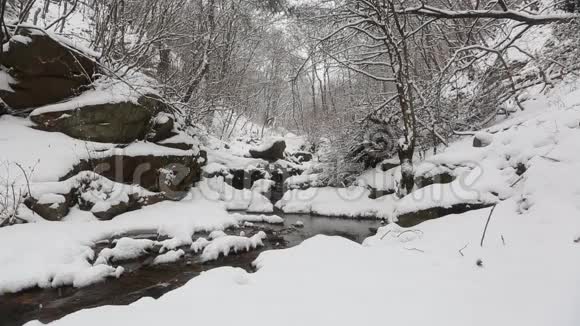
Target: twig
[408,231]
[384,235]
[461,250]
[517,181]
[487,224]
[415,249]
[550,159]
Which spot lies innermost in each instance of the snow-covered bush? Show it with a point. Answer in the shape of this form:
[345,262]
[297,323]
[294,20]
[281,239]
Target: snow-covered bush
[12,193]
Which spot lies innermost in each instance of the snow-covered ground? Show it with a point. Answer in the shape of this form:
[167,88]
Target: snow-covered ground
[52,254]
[525,271]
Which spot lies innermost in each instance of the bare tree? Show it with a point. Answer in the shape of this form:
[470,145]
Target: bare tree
[436,56]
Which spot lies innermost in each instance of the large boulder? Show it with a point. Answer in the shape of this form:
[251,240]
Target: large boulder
[44,69]
[121,122]
[34,91]
[270,150]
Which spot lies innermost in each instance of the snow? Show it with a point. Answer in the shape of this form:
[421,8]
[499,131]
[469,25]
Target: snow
[235,199]
[525,271]
[271,219]
[77,28]
[260,204]
[378,179]
[226,244]
[302,181]
[267,143]
[485,137]
[216,234]
[125,249]
[199,244]
[143,148]
[215,168]
[35,151]
[299,224]
[46,199]
[54,254]
[263,186]
[181,138]
[96,274]
[234,162]
[169,257]
[5,81]
[352,202]
[20,39]
[105,91]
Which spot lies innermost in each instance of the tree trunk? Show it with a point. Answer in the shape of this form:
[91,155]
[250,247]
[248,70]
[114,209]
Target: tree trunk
[45,8]
[405,151]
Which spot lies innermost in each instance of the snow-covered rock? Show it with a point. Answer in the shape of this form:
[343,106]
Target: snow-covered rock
[271,149]
[125,249]
[169,257]
[226,244]
[482,139]
[199,244]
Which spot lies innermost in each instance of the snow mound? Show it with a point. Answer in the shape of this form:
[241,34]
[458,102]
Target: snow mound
[169,257]
[270,219]
[226,244]
[199,244]
[125,249]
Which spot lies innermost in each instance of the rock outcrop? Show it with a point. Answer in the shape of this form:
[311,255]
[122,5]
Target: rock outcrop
[107,115]
[172,174]
[44,69]
[121,122]
[89,191]
[270,150]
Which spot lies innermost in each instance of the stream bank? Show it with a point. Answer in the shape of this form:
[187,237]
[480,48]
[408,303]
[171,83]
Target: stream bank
[143,279]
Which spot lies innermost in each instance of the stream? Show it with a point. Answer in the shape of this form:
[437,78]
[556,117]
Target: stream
[142,279]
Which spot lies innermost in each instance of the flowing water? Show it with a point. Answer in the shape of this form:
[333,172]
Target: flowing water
[142,279]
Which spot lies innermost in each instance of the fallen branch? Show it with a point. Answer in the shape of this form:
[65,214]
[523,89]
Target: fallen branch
[487,224]
[461,250]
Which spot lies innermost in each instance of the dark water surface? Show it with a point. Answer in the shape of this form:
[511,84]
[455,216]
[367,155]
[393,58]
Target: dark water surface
[141,279]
